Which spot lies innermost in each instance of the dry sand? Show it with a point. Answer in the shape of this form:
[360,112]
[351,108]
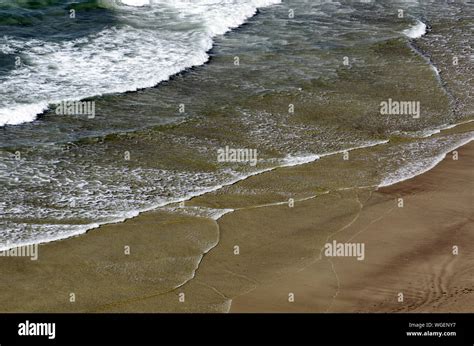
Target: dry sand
[181,263]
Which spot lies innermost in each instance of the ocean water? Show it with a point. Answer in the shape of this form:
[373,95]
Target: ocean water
[175,81]
[138,45]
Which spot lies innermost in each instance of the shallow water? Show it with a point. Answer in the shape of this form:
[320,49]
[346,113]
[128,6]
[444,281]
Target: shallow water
[292,97]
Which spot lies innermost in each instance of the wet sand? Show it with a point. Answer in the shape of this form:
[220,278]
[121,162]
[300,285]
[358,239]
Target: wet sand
[255,258]
[408,250]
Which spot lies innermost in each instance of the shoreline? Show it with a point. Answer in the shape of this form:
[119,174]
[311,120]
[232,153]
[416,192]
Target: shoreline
[399,257]
[299,161]
[284,164]
[173,254]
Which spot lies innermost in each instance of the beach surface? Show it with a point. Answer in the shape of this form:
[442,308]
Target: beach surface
[268,254]
[409,250]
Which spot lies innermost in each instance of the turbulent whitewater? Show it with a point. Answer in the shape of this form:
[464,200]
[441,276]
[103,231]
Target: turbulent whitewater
[146,43]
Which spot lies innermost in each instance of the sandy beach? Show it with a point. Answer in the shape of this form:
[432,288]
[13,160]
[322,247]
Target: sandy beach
[409,250]
[268,254]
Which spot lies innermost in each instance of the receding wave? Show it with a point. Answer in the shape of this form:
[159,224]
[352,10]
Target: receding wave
[416,31]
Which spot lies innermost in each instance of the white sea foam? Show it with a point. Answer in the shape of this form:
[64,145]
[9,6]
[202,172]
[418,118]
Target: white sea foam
[21,113]
[291,160]
[136,2]
[433,131]
[211,213]
[54,232]
[419,164]
[416,31]
[148,47]
[435,70]
[92,190]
